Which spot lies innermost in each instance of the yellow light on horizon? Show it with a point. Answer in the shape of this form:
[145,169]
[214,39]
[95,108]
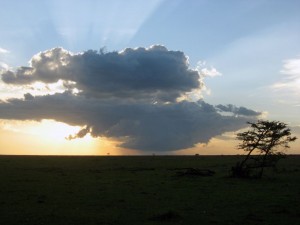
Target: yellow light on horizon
[53,130]
[47,137]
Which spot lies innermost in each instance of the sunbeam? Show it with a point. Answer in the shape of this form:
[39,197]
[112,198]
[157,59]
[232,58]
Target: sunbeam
[99,23]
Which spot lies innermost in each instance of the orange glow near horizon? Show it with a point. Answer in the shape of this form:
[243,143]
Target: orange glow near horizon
[48,137]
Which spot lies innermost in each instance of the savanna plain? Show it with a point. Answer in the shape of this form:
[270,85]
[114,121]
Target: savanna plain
[132,190]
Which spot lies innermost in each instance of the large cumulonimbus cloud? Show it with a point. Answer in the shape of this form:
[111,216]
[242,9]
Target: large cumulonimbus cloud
[144,73]
[136,96]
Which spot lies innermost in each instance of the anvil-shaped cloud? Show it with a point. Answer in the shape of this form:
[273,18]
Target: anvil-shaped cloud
[137,96]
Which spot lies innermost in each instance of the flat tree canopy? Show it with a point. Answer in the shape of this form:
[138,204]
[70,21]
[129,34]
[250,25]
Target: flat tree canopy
[266,137]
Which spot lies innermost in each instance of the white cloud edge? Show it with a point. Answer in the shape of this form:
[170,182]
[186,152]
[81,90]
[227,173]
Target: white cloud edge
[291,77]
[207,71]
[4,51]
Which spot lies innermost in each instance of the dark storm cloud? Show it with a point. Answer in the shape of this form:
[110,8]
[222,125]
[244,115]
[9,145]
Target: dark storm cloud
[241,111]
[131,96]
[151,127]
[154,73]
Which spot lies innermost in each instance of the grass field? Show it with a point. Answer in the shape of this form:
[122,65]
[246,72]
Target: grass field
[144,190]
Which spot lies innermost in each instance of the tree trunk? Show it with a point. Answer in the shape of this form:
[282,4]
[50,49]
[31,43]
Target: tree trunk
[247,157]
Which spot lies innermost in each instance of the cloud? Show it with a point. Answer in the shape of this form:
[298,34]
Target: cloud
[3,51]
[153,74]
[291,81]
[80,134]
[207,71]
[132,96]
[3,65]
[291,67]
[143,126]
[237,111]
[204,72]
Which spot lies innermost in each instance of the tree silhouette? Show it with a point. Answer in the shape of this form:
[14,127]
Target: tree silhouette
[266,138]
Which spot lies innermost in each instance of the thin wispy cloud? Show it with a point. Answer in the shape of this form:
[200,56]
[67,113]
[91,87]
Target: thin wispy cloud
[3,51]
[3,65]
[291,67]
[135,96]
[290,81]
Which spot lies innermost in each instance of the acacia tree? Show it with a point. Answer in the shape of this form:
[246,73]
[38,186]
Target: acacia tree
[267,138]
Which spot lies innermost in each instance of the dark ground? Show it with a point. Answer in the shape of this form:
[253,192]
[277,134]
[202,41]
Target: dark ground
[144,190]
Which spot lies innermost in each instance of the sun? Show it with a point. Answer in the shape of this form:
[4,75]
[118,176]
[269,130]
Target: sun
[52,130]
[47,137]
[48,130]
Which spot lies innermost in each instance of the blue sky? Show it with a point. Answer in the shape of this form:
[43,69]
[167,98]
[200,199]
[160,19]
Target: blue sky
[254,45]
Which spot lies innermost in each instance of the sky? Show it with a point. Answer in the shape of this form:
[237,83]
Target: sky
[96,77]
